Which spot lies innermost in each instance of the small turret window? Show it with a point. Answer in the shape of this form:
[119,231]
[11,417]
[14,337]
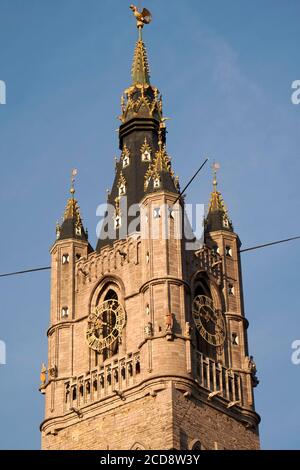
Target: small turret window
[156,183]
[125,161]
[78,231]
[146,156]
[118,222]
[230,289]
[156,213]
[215,249]
[171,212]
[122,190]
[225,222]
[65,258]
[65,312]
[228,251]
[235,339]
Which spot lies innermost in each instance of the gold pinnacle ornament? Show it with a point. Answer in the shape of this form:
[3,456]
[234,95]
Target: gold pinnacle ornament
[142,18]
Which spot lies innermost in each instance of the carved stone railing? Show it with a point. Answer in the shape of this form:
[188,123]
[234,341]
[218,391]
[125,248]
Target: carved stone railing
[219,380]
[112,378]
[208,260]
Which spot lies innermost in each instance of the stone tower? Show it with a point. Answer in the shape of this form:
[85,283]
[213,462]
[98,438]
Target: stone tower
[147,339]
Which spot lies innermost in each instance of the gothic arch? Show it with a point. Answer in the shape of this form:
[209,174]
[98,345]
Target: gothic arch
[203,284]
[138,446]
[110,288]
[107,282]
[196,445]
[207,281]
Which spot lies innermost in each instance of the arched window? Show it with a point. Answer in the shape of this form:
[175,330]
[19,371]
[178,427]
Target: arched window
[107,320]
[109,323]
[204,346]
[138,446]
[197,446]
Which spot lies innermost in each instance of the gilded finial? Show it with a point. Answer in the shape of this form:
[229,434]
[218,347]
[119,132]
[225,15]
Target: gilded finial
[142,18]
[160,142]
[116,162]
[215,168]
[73,174]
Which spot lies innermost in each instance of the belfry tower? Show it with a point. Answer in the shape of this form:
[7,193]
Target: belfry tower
[147,339]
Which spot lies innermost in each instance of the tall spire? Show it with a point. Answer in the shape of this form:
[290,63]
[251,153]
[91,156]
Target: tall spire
[141,99]
[143,166]
[217,217]
[140,68]
[71,226]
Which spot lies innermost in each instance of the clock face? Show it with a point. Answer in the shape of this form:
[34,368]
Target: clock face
[209,322]
[105,325]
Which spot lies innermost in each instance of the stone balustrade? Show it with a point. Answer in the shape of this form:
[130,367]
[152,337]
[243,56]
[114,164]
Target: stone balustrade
[101,382]
[214,377]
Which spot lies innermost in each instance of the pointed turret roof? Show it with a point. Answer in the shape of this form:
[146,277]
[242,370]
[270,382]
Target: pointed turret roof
[217,216]
[160,175]
[71,226]
[140,68]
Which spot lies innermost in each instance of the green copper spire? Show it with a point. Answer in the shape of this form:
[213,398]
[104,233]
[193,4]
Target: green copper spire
[140,68]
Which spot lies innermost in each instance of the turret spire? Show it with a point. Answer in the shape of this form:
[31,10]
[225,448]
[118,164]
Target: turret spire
[71,226]
[217,217]
[140,68]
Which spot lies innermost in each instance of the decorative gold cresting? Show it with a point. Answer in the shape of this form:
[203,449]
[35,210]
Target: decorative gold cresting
[216,201]
[140,71]
[122,184]
[161,163]
[72,209]
[146,151]
[125,156]
[141,99]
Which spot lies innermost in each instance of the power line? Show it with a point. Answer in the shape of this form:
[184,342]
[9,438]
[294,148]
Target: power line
[192,179]
[256,247]
[269,244]
[49,267]
[25,271]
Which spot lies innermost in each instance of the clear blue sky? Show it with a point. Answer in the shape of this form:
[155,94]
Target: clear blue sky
[225,69]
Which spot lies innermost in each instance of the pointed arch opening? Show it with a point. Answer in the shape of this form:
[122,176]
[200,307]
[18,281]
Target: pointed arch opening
[202,289]
[107,302]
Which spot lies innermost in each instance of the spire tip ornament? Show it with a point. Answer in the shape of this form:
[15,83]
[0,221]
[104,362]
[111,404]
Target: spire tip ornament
[215,168]
[73,174]
[142,17]
[217,217]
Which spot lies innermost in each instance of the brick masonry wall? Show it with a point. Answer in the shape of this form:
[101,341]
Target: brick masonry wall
[197,421]
[165,421]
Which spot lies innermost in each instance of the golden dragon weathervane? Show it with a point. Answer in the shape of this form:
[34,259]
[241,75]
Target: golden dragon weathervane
[142,18]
